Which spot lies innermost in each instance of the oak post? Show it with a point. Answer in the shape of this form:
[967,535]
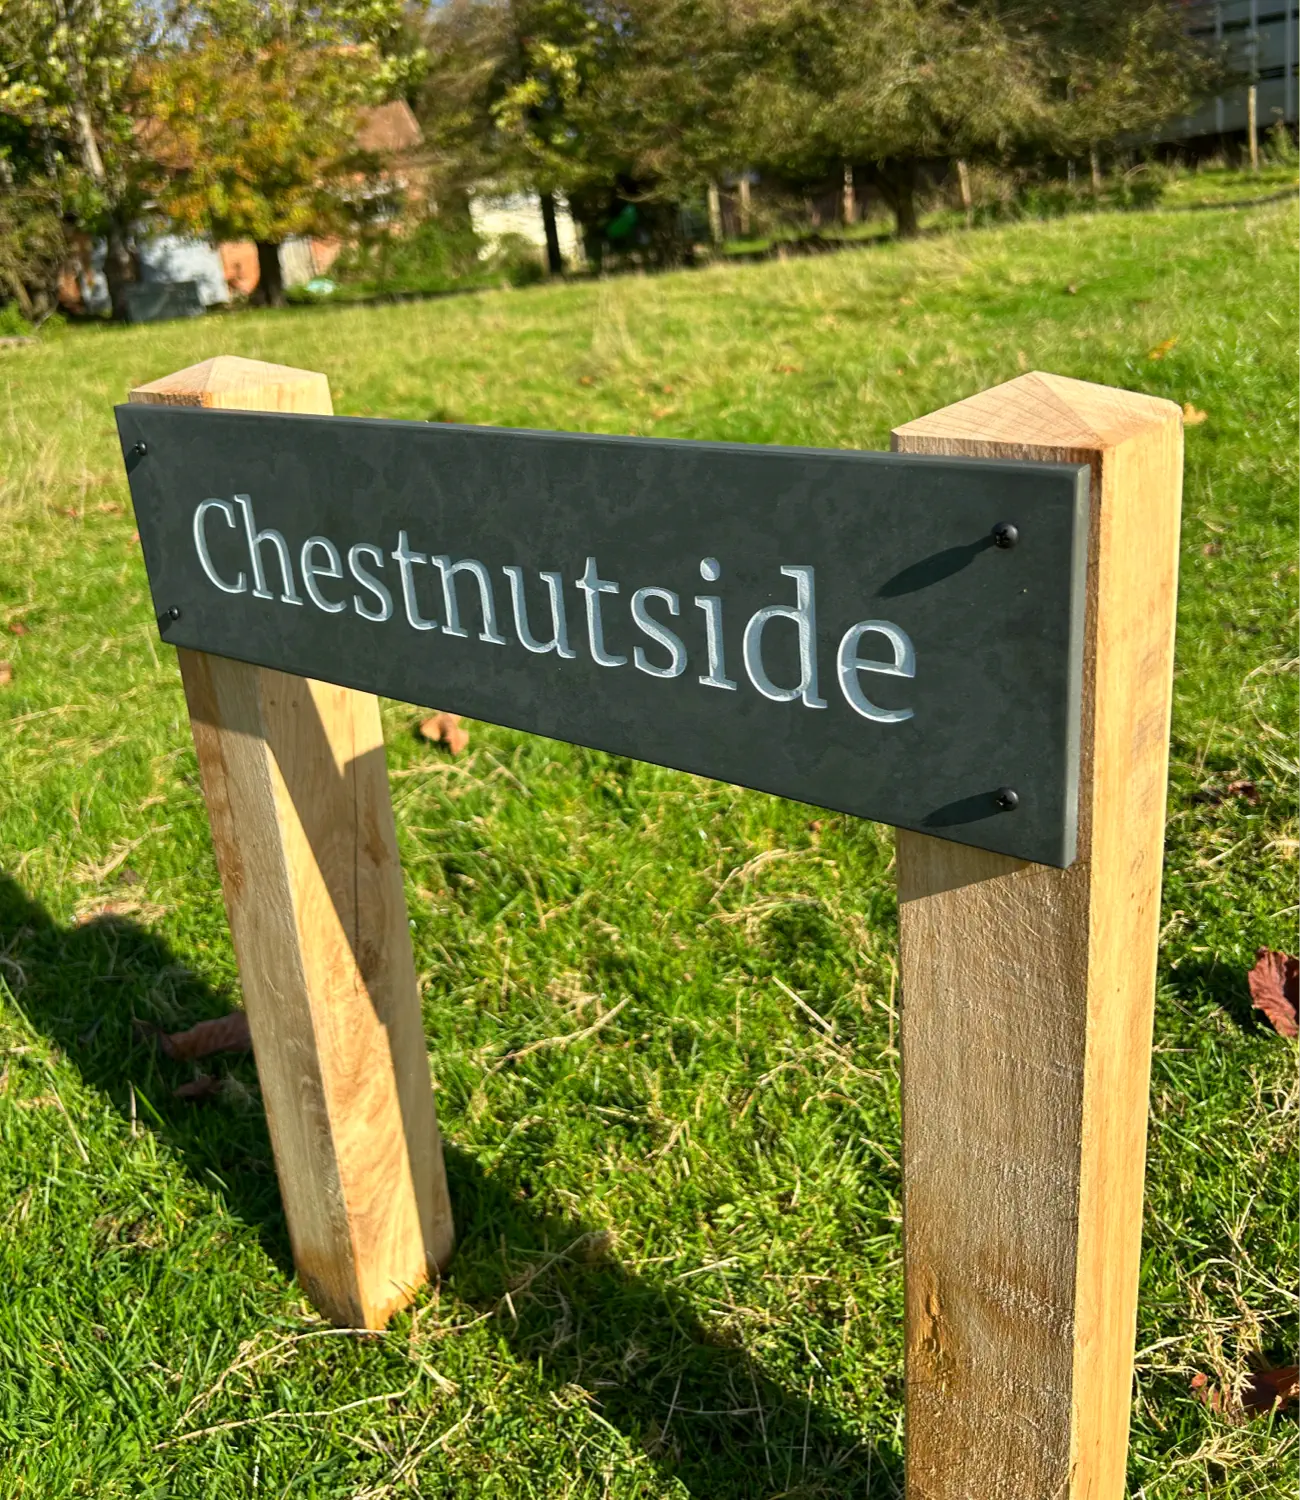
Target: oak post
[1027,997]
[296,785]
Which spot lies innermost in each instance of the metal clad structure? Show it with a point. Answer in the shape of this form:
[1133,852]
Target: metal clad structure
[1260,38]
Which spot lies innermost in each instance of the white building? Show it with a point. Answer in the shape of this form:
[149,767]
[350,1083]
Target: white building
[496,214]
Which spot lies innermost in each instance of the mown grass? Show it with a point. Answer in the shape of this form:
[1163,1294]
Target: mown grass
[679,1271]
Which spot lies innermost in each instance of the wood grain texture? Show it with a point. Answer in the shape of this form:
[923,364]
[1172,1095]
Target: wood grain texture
[1027,1009]
[297,790]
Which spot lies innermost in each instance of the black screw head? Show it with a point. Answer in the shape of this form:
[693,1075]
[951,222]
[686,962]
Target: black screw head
[140,449]
[1007,798]
[174,613]
[1005,534]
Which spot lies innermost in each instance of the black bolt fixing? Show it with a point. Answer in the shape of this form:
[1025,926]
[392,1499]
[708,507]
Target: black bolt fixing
[1007,798]
[1005,534]
[140,449]
[174,613]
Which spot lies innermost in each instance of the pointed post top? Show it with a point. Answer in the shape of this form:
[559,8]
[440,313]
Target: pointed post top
[236,384]
[1039,411]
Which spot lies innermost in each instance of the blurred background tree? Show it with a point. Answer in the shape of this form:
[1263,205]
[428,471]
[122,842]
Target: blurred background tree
[67,94]
[254,119]
[1118,68]
[885,87]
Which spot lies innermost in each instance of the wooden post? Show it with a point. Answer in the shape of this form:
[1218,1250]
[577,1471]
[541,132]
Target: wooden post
[1252,125]
[715,214]
[297,791]
[744,204]
[963,184]
[1026,1020]
[850,197]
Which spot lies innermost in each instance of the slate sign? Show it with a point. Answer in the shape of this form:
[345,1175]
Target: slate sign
[848,629]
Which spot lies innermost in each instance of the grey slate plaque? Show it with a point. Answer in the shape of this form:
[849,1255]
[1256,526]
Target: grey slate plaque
[837,627]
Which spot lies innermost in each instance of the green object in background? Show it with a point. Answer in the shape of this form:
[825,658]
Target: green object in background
[622,224]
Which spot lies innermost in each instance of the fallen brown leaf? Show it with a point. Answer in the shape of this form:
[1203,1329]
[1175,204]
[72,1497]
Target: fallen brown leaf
[1261,1393]
[1192,416]
[6,673]
[227,1034]
[110,508]
[1162,348]
[1214,795]
[445,729]
[1275,989]
[17,627]
[1207,1394]
[1269,1388]
[1210,549]
[205,1086]
[788,369]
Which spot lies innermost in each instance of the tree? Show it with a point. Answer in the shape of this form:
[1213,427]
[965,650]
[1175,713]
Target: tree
[884,87]
[254,120]
[503,79]
[624,109]
[68,70]
[1119,68]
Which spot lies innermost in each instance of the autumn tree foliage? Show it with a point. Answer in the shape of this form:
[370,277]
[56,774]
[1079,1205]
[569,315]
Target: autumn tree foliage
[258,143]
[254,119]
[67,149]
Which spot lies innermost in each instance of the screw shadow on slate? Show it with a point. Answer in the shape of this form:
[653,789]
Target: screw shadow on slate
[698,1406]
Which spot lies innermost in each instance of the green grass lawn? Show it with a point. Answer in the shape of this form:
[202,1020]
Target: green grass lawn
[679,1262]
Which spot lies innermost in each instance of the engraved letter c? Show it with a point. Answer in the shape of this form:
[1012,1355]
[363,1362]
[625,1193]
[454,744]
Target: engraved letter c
[201,546]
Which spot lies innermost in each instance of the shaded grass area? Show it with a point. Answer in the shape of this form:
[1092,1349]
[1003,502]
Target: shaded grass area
[679,1267]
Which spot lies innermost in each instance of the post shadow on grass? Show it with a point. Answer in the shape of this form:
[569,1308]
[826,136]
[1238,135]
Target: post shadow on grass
[1197,979]
[686,1395]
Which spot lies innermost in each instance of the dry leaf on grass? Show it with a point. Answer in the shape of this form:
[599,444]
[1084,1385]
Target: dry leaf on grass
[1192,415]
[445,729]
[1162,348]
[228,1034]
[1275,989]
[1261,1393]
[17,627]
[1269,1388]
[1214,795]
[6,673]
[205,1086]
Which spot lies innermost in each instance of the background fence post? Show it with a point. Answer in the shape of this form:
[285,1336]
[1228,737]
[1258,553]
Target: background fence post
[1026,1015]
[297,791]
